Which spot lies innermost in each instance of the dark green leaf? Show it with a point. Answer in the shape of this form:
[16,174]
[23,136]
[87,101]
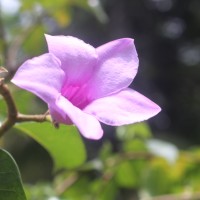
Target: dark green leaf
[10,180]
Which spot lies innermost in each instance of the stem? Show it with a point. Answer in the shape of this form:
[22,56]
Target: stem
[195,196]
[68,182]
[13,115]
[36,118]
[12,110]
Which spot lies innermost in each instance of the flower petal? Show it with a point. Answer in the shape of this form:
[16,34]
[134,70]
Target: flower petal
[59,116]
[78,58]
[87,124]
[116,69]
[125,107]
[42,76]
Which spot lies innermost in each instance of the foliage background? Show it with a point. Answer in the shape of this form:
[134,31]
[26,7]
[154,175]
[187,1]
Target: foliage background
[167,37]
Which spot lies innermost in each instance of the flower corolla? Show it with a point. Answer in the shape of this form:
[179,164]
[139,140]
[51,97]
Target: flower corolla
[84,86]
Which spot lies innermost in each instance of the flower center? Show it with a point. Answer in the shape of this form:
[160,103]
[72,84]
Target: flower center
[76,95]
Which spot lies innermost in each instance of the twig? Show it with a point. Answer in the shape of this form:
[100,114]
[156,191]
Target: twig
[13,115]
[68,182]
[36,118]
[12,110]
[195,196]
[113,161]
[136,155]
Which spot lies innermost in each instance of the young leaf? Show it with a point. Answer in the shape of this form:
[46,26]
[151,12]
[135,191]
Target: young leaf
[10,180]
[64,144]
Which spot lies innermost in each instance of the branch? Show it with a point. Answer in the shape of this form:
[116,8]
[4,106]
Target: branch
[12,110]
[195,196]
[68,182]
[13,115]
[36,118]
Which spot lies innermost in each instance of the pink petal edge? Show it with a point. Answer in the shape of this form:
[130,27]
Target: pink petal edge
[124,107]
[87,124]
[116,68]
[42,76]
[77,57]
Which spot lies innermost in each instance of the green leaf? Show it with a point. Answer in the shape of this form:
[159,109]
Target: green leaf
[135,145]
[23,100]
[43,191]
[62,17]
[36,37]
[10,180]
[3,109]
[80,189]
[125,175]
[156,178]
[104,190]
[105,151]
[129,132]
[64,144]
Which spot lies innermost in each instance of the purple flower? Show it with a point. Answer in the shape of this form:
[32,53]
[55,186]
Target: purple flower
[83,85]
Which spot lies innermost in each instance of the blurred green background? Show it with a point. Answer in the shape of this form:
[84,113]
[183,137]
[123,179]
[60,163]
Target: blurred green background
[167,38]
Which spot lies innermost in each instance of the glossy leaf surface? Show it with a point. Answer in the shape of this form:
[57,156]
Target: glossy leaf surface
[64,144]
[10,180]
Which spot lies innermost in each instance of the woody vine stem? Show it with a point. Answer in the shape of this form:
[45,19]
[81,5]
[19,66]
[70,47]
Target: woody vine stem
[13,116]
